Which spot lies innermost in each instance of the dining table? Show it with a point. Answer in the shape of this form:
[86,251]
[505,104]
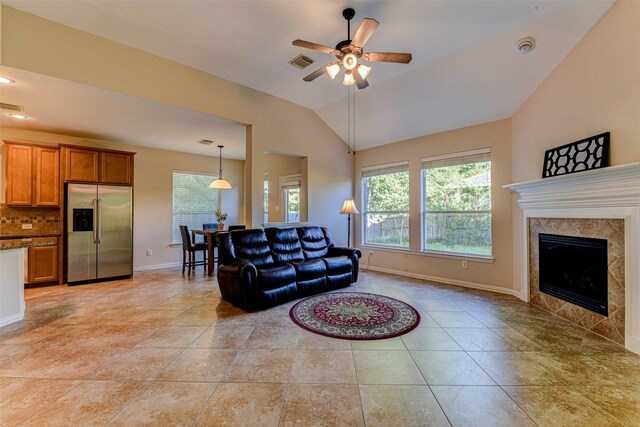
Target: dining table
[211,246]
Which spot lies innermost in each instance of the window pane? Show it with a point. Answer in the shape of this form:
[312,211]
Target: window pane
[386,209]
[388,192]
[457,208]
[387,229]
[468,233]
[194,203]
[292,204]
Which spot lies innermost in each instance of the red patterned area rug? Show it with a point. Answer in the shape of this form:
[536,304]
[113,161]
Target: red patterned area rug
[355,316]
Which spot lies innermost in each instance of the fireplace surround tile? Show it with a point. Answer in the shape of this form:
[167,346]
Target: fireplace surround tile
[611,327]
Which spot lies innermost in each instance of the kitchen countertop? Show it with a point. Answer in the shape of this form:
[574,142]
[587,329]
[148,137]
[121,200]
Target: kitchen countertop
[23,244]
[27,236]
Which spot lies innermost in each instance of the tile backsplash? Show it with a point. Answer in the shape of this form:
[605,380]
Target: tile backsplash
[44,221]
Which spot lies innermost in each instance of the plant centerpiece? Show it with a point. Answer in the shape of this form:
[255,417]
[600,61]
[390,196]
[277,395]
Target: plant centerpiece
[221,217]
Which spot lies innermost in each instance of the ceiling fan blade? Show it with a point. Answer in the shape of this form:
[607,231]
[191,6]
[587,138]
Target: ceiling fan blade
[365,31]
[360,82]
[402,58]
[314,46]
[317,73]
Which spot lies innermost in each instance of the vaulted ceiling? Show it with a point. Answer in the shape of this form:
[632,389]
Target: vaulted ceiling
[465,69]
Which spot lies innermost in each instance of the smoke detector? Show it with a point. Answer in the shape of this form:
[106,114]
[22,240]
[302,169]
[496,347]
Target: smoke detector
[525,45]
[301,61]
[205,142]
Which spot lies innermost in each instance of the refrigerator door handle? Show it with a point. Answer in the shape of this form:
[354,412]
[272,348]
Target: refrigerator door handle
[94,203]
[99,207]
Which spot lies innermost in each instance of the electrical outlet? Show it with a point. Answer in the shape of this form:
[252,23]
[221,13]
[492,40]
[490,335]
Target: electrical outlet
[149,252]
[464,264]
[27,226]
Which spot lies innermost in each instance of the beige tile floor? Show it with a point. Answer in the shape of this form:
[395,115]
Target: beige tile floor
[162,349]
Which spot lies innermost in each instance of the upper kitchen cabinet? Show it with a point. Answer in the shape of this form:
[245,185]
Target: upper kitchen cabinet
[82,164]
[32,175]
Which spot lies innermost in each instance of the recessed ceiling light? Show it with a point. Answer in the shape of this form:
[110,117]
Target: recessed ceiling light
[18,116]
[6,80]
[525,45]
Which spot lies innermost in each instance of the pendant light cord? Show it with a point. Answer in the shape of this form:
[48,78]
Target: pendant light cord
[220,173]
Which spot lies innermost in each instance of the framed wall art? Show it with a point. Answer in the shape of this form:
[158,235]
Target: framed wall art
[586,154]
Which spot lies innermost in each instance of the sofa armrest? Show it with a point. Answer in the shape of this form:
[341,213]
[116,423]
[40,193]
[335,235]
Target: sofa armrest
[353,254]
[237,282]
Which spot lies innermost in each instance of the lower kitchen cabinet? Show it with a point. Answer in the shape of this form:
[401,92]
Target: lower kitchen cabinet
[42,264]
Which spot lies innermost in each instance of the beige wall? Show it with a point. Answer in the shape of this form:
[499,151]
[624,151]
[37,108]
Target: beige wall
[595,89]
[34,44]
[496,136]
[152,190]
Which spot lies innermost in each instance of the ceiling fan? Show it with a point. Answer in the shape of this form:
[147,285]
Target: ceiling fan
[350,51]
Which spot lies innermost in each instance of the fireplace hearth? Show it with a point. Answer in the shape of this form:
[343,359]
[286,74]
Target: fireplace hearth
[574,269]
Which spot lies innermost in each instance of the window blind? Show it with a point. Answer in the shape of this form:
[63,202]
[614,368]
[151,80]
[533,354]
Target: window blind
[454,159]
[385,169]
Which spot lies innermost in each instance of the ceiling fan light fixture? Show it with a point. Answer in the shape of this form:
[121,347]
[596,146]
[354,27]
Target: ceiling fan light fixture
[22,116]
[348,78]
[6,80]
[363,70]
[333,70]
[350,61]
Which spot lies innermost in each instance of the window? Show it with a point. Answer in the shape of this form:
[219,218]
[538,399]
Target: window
[265,208]
[194,203]
[385,191]
[457,203]
[290,185]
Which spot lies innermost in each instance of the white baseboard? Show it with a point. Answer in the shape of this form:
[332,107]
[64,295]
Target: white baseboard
[157,266]
[13,318]
[456,282]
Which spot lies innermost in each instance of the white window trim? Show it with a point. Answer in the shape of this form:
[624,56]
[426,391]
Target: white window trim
[423,168]
[367,172]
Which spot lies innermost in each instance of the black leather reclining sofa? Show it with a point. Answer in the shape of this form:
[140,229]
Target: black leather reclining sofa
[259,268]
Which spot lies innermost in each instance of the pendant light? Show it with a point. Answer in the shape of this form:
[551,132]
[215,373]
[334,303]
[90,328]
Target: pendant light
[220,183]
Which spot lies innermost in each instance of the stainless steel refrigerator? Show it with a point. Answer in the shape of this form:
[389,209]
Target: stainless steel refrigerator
[99,232]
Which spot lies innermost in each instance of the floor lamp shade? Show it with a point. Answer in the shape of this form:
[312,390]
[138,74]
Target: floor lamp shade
[348,208]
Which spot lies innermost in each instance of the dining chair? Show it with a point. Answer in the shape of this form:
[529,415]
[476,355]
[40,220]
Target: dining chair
[191,249]
[237,227]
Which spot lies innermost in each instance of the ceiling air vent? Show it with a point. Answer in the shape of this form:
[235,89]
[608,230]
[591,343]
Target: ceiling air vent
[525,45]
[301,61]
[12,107]
[205,142]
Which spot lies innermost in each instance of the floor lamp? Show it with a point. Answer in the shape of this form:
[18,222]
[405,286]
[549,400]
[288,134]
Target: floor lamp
[349,207]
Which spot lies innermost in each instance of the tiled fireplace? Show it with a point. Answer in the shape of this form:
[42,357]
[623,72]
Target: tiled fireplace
[611,230]
[603,204]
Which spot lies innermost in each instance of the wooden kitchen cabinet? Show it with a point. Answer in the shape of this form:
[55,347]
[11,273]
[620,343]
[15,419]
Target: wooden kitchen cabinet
[47,170]
[32,175]
[116,168]
[97,166]
[43,264]
[81,165]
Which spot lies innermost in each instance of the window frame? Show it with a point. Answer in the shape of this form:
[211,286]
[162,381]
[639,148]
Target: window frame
[213,177]
[370,172]
[453,159]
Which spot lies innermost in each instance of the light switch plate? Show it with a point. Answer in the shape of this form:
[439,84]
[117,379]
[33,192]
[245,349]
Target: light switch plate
[27,226]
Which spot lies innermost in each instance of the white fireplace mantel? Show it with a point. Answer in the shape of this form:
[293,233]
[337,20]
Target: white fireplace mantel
[612,192]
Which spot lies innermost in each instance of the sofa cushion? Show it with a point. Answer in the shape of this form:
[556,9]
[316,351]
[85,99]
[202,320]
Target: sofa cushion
[285,244]
[276,276]
[252,246]
[337,265]
[313,242]
[310,269]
